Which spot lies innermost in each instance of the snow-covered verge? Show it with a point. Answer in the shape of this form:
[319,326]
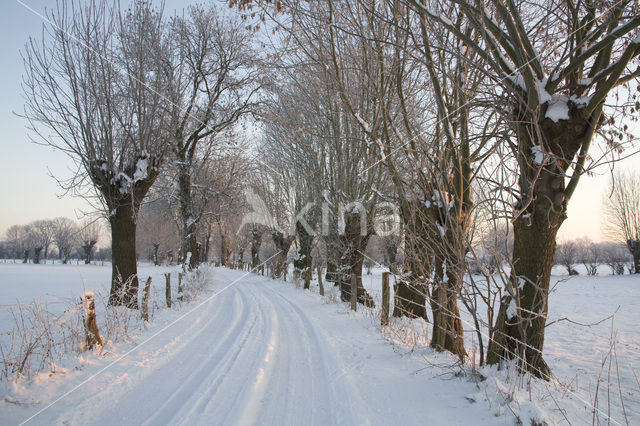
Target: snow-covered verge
[42,313]
[592,346]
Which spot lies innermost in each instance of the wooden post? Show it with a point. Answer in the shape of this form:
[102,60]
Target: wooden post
[167,291]
[354,292]
[384,317]
[145,300]
[320,280]
[92,335]
[180,295]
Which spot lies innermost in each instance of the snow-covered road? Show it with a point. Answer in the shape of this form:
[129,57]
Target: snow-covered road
[259,352]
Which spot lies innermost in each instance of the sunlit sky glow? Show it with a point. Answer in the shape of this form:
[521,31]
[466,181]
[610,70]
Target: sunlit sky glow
[29,193]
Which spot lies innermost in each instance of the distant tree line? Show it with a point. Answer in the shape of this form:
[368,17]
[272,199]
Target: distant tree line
[593,255]
[60,238]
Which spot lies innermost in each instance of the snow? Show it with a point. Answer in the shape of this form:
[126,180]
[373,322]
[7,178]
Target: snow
[255,350]
[439,199]
[581,101]
[252,351]
[521,280]
[577,355]
[543,95]
[141,169]
[517,79]
[539,154]
[190,221]
[558,108]
[512,309]
[363,123]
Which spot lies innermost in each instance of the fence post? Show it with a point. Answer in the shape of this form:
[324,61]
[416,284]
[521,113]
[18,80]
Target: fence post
[180,294]
[167,291]
[320,280]
[90,324]
[145,300]
[384,318]
[354,292]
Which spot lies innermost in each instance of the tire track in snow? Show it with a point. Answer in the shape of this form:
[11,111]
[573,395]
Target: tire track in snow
[251,356]
[112,387]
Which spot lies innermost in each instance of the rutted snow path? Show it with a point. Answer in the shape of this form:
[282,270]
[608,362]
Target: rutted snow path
[263,352]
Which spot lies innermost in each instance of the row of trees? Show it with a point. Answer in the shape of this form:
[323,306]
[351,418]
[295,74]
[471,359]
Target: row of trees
[38,239]
[469,117]
[436,121]
[592,255]
[132,95]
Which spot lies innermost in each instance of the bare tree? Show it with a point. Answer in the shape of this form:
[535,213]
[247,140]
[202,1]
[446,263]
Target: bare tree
[213,81]
[43,231]
[589,254]
[615,256]
[567,255]
[88,236]
[556,64]
[65,236]
[94,89]
[16,237]
[622,208]
[157,230]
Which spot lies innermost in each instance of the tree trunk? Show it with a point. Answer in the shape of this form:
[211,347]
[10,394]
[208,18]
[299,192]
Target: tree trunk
[521,320]
[155,253]
[390,252]
[241,255]
[87,248]
[207,245]
[410,299]
[256,242]
[520,324]
[353,246]
[282,244]
[36,255]
[411,293]
[332,272]
[225,250]
[447,326]
[124,278]
[634,248]
[303,260]
[189,222]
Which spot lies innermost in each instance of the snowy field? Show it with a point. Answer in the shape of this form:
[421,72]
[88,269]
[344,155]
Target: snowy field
[58,285]
[257,351]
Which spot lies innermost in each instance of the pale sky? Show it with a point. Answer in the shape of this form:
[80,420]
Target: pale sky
[28,192]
